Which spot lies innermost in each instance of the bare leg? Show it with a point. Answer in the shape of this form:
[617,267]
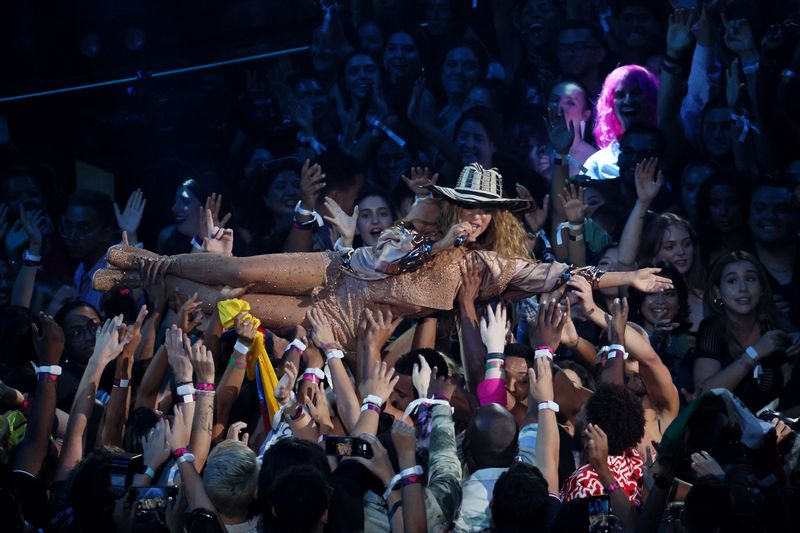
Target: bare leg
[287,274]
[274,311]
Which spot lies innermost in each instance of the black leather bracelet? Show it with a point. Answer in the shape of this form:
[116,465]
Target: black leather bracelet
[397,505]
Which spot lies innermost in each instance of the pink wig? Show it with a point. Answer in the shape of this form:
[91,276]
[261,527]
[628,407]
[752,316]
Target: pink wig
[607,128]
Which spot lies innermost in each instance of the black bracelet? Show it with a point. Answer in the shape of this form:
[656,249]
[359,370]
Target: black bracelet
[397,505]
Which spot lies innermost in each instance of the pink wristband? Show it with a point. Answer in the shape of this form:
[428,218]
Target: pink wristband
[206,386]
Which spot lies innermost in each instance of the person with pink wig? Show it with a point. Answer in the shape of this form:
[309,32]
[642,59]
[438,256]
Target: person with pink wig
[629,95]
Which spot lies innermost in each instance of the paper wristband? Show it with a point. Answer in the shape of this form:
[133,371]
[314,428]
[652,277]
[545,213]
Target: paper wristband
[188,388]
[549,405]
[317,372]
[371,407]
[411,471]
[241,347]
[205,387]
[543,353]
[371,398]
[122,383]
[54,370]
[751,353]
[149,472]
[613,354]
[334,354]
[298,345]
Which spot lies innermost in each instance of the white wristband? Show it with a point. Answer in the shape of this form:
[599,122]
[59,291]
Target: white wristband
[122,383]
[54,370]
[549,405]
[752,353]
[390,487]
[185,389]
[575,227]
[412,471]
[186,398]
[543,353]
[27,256]
[371,398]
[317,372]
[197,245]
[298,345]
[334,354]
[305,212]
[241,347]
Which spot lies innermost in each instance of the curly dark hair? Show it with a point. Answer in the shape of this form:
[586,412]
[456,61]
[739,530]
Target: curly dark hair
[619,413]
[637,298]
[519,499]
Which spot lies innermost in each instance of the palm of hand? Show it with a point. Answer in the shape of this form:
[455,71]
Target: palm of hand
[561,137]
[679,37]
[575,210]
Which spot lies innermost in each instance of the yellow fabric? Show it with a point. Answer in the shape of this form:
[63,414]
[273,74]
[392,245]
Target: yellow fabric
[257,355]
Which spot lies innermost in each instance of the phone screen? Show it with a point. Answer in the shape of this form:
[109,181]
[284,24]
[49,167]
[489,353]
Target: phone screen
[599,511]
[348,447]
[153,498]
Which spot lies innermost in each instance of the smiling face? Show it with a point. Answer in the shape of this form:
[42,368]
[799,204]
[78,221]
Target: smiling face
[660,307]
[474,144]
[773,218]
[360,75]
[460,70]
[676,248]
[725,209]
[401,57]
[186,212]
[479,219]
[739,288]
[283,193]
[374,216]
[629,103]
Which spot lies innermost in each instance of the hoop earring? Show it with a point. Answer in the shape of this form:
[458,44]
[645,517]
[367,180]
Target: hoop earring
[718,303]
[583,128]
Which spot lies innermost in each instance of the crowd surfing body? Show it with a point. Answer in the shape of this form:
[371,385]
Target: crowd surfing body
[447,357]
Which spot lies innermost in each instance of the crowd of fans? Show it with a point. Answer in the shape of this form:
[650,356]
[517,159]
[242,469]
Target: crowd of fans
[647,133]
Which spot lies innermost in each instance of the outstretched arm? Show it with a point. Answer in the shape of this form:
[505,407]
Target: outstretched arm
[647,186]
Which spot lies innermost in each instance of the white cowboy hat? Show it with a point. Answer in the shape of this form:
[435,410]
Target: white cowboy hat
[480,187]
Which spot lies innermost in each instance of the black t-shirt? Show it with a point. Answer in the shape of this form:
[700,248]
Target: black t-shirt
[714,341]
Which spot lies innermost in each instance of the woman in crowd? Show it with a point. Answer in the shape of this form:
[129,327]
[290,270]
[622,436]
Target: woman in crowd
[721,207]
[665,318]
[745,344]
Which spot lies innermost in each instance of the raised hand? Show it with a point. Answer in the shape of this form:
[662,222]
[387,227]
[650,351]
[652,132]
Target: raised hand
[129,219]
[571,199]
[540,381]
[178,432]
[421,107]
[317,404]
[32,223]
[733,85]
[109,343]
[679,33]
[155,449]
[190,314]
[581,288]
[404,437]
[646,186]
[217,240]
[379,382]
[470,281]
[321,332]
[245,328]
[214,204]
[421,377]
[380,326]
[441,386]
[596,446]
[537,216]
[202,361]
[494,328]
[49,344]
[646,280]
[617,320]
[342,222]
[136,338]
[177,344]
[312,181]
[560,131]
[285,386]
[420,180]
[236,431]
[550,322]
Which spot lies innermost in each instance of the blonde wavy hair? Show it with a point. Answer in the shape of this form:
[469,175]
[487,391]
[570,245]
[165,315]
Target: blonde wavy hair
[505,234]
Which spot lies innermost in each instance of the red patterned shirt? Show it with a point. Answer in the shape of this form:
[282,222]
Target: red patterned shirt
[627,469]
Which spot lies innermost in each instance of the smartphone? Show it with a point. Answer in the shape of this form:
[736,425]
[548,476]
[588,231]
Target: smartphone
[599,512]
[121,471]
[153,498]
[348,447]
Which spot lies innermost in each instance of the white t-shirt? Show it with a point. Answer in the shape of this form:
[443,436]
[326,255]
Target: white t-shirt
[602,165]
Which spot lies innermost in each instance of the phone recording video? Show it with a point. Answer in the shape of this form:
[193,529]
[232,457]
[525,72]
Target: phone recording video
[599,511]
[348,447]
[153,498]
